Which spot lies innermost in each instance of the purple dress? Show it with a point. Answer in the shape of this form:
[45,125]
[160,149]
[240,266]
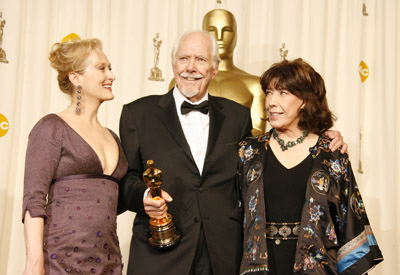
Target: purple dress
[64,183]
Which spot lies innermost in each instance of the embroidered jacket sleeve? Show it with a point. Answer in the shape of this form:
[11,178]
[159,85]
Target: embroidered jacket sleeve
[335,236]
[359,251]
[251,155]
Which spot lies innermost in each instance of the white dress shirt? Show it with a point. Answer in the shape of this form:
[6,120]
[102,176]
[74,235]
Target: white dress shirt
[195,126]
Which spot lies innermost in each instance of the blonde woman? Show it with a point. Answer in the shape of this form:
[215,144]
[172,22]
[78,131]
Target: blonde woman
[73,166]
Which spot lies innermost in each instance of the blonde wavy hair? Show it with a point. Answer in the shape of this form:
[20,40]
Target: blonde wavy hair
[71,56]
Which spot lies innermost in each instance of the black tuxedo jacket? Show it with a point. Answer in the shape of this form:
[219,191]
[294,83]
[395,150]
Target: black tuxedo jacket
[150,129]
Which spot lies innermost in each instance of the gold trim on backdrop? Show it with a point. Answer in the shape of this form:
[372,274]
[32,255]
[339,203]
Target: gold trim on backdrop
[360,170]
[70,37]
[364,10]
[155,72]
[4,125]
[283,52]
[363,70]
[3,58]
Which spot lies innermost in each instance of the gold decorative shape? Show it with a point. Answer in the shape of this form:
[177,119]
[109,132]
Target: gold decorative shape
[3,58]
[163,233]
[232,82]
[364,10]
[363,70]
[219,2]
[4,125]
[360,169]
[71,37]
[155,72]
[283,52]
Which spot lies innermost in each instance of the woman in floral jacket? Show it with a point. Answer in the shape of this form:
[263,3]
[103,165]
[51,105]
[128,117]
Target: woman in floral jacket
[303,212]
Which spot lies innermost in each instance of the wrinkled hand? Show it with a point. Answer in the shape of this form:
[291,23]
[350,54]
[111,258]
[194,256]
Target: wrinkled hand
[337,141]
[157,207]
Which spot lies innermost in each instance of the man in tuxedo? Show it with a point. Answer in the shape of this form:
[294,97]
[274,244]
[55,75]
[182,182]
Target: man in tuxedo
[197,154]
[196,151]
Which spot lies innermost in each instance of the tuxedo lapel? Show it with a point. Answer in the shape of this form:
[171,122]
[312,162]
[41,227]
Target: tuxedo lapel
[166,112]
[216,120]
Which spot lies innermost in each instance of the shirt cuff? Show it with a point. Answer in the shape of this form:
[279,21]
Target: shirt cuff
[145,193]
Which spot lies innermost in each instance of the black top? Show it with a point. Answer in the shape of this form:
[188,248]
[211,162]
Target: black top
[284,193]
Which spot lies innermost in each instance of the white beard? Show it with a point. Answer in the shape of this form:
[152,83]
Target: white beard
[190,94]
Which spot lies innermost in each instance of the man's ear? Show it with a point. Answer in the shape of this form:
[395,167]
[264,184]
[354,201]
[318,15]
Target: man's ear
[74,78]
[215,70]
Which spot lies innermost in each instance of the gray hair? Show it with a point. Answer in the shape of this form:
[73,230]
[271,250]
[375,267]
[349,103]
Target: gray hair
[215,51]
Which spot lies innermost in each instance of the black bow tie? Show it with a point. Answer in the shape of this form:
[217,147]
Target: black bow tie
[186,107]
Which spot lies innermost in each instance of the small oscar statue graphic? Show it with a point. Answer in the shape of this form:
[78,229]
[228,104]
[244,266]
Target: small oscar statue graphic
[283,52]
[163,233]
[3,58]
[155,72]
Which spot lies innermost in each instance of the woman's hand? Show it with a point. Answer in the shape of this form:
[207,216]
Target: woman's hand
[33,228]
[34,266]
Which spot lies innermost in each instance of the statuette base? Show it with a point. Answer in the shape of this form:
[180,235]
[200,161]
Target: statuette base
[163,234]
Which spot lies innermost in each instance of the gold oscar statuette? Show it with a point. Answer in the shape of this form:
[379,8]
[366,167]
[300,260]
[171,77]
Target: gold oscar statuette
[3,58]
[163,233]
[155,72]
[283,52]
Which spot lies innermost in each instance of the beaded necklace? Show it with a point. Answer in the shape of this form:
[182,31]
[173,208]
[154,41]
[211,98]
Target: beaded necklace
[289,144]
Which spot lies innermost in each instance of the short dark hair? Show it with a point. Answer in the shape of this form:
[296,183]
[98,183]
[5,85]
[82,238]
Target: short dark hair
[299,78]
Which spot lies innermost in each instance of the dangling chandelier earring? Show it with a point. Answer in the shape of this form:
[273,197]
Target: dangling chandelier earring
[78,101]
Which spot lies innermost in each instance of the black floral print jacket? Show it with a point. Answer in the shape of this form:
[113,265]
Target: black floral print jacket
[335,234]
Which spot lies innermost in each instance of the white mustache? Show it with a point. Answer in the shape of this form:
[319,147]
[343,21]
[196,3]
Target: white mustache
[189,75]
